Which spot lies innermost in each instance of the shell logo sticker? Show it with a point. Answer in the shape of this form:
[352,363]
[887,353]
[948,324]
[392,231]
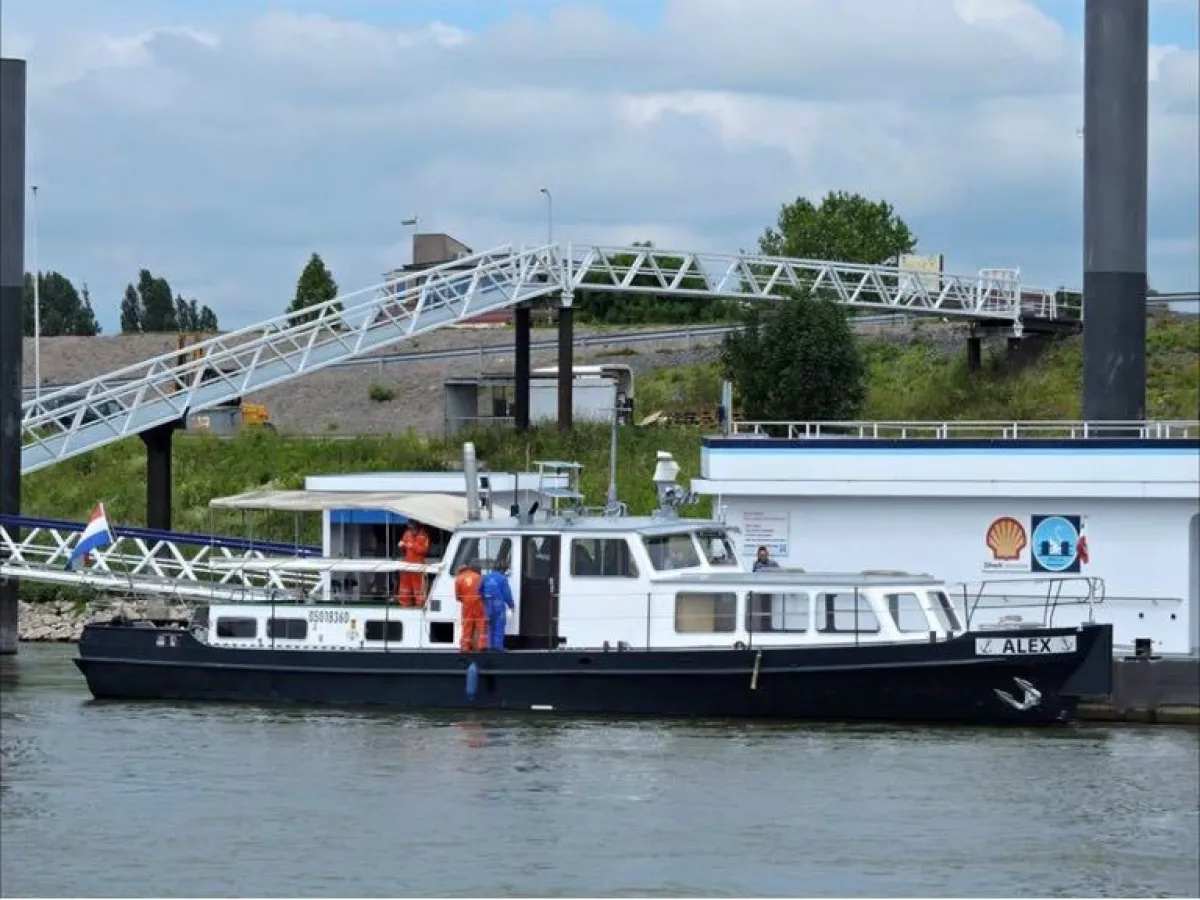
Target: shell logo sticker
[1007,539]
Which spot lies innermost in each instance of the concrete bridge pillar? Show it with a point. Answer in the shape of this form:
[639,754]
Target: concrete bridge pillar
[1115,139]
[566,365]
[159,480]
[12,277]
[523,322]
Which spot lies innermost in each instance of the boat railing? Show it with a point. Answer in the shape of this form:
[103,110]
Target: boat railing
[969,430]
[1009,598]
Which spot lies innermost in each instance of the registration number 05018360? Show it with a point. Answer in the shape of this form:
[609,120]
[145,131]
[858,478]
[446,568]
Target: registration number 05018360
[1025,646]
[333,616]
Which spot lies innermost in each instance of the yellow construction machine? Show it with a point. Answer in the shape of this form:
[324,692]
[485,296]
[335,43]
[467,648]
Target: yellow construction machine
[228,417]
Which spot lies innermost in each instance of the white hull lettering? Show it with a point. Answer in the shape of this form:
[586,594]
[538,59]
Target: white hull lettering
[1025,646]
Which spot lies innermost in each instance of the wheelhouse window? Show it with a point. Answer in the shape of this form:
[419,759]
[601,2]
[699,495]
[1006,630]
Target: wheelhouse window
[703,612]
[906,611]
[672,551]
[237,627]
[846,613]
[483,551]
[287,629]
[602,558]
[717,547]
[789,612]
[383,630]
[946,614]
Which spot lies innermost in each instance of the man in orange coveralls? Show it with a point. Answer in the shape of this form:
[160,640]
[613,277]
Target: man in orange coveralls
[474,621]
[415,546]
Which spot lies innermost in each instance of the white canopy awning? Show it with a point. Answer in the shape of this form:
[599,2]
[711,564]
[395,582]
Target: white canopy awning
[442,511]
[302,565]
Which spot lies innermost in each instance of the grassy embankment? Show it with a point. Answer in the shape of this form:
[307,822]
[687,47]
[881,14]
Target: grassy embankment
[921,381]
[907,382]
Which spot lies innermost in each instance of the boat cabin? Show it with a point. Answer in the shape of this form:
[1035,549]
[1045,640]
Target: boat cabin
[604,582]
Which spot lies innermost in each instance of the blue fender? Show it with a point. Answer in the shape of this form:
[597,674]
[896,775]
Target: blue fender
[472,681]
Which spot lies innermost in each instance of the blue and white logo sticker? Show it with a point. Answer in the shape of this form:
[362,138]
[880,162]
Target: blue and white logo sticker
[1055,541]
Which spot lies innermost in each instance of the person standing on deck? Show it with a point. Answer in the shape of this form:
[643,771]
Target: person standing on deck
[497,601]
[414,544]
[763,560]
[473,620]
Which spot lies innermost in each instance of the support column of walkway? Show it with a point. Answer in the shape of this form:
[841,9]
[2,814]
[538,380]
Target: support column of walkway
[566,364]
[159,481]
[12,277]
[523,321]
[1115,97]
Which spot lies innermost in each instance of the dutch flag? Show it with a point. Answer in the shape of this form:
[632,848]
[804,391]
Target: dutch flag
[96,534]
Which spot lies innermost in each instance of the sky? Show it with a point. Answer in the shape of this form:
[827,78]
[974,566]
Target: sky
[220,143]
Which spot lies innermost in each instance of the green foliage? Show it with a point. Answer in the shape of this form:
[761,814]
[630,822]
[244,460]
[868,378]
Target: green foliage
[151,307]
[844,228]
[62,309]
[927,380]
[208,466]
[381,393]
[798,360]
[315,286]
[619,308]
[191,316]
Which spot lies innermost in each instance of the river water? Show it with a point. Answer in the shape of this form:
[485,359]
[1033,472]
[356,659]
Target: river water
[109,799]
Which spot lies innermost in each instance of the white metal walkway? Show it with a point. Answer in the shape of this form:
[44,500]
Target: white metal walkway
[76,419]
[144,562]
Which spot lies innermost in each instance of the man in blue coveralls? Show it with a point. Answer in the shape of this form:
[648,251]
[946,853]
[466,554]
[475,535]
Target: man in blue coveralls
[497,601]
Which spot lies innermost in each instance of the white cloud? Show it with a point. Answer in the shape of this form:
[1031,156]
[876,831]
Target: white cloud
[220,153]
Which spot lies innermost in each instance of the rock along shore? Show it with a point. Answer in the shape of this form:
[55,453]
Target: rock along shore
[63,620]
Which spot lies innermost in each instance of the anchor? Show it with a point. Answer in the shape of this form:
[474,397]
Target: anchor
[1032,698]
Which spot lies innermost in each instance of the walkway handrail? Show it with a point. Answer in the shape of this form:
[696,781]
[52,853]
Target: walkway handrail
[173,537]
[1050,430]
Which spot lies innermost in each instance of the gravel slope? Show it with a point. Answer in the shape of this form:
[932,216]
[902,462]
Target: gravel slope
[337,401]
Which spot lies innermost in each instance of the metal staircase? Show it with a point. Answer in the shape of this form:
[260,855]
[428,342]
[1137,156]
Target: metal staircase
[76,419]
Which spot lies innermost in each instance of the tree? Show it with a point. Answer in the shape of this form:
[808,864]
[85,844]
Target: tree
[152,307]
[131,311]
[798,360]
[314,287]
[621,307]
[844,228]
[62,309]
[191,316]
[158,306]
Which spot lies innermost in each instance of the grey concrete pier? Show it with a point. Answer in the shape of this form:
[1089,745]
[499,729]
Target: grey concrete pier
[1148,689]
[1115,139]
[12,276]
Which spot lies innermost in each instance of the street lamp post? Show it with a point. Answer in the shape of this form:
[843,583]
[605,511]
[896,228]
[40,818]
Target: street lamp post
[37,304]
[549,216]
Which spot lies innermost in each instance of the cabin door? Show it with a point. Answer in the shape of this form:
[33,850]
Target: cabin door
[539,591]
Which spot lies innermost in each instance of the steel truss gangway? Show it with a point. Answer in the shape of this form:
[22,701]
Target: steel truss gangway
[73,420]
[145,562]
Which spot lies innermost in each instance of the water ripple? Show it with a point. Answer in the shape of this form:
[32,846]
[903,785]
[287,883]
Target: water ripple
[106,799]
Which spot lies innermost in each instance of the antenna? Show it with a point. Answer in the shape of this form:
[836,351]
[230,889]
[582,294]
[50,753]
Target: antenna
[612,461]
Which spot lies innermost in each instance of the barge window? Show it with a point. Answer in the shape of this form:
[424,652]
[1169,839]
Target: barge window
[237,628]
[848,613]
[287,629]
[907,613]
[778,612]
[602,558]
[380,630]
[700,612]
[945,611]
[483,551]
[717,547]
[672,551]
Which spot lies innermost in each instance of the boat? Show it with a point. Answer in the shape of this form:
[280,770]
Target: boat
[619,614]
